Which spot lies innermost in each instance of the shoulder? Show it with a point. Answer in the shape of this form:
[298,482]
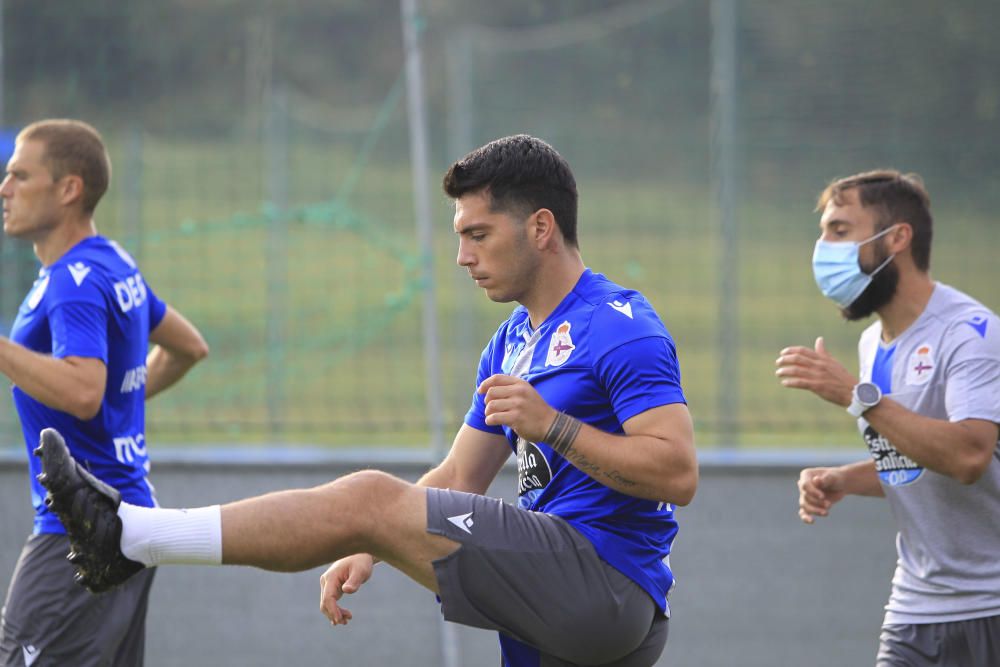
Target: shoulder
[619,315]
[92,270]
[965,322]
[76,278]
[976,333]
[955,329]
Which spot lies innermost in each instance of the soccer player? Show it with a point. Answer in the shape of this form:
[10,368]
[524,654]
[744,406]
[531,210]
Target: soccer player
[927,404]
[77,357]
[581,383]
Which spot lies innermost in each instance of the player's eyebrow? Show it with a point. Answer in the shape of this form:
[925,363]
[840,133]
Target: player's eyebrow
[474,227]
[835,222]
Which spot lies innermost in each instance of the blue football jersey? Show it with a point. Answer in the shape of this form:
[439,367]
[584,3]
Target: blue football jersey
[92,302]
[603,356]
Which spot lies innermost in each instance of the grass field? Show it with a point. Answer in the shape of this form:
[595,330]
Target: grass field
[315,324]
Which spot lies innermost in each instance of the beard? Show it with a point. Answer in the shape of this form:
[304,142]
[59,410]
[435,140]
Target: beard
[879,292]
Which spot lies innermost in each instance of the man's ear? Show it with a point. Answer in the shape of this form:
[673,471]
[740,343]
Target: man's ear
[543,229]
[70,188]
[900,238]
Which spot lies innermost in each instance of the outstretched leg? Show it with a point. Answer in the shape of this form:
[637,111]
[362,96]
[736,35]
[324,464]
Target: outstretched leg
[364,512]
[368,511]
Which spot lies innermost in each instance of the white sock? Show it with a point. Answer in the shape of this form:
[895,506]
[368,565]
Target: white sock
[155,536]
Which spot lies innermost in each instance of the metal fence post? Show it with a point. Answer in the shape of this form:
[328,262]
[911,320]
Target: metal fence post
[724,159]
[419,158]
[276,167]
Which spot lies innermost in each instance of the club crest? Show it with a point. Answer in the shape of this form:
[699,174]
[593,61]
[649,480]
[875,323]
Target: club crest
[920,367]
[560,346]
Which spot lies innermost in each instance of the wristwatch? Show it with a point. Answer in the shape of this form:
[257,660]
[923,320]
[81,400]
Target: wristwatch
[866,395]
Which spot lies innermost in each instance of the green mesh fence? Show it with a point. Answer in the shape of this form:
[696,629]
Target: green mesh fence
[262,179]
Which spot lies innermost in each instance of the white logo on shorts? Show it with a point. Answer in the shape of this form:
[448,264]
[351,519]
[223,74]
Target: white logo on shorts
[463,521]
[30,654]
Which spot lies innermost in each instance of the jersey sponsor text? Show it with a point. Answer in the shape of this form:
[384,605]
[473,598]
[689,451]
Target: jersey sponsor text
[134,380]
[131,292]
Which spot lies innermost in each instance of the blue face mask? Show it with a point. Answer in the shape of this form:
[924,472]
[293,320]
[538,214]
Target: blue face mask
[837,271]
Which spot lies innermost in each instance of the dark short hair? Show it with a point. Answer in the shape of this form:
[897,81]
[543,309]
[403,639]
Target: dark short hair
[73,147]
[897,197]
[520,174]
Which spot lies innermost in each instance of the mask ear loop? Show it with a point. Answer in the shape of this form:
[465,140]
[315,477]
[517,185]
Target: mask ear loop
[889,258]
[877,236]
[882,265]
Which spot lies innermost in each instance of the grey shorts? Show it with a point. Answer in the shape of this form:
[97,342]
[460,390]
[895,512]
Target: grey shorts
[954,644]
[533,577]
[48,619]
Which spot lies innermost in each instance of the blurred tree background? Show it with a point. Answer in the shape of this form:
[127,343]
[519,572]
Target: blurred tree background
[262,176]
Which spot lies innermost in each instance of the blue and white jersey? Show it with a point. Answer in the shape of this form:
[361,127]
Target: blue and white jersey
[603,356]
[92,302]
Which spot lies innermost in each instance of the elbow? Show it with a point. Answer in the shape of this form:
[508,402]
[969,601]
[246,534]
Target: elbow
[189,355]
[971,471]
[86,406]
[684,493]
[197,351]
[682,488]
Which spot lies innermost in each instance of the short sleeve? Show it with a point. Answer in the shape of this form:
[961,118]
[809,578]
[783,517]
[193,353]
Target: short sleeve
[79,329]
[476,416]
[972,388]
[640,375]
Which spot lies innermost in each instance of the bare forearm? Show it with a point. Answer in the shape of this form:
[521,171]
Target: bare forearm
[436,478]
[860,479]
[948,448]
[444,476]
[68,385]
[178,346]
[642,466]
[164,369]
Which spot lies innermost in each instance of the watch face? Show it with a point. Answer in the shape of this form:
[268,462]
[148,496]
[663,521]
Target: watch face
[868,393]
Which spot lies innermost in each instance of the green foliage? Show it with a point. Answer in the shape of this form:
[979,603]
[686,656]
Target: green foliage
[262,177]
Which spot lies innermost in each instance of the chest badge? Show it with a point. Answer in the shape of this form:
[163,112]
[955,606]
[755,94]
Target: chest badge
[920,366]
[560,346]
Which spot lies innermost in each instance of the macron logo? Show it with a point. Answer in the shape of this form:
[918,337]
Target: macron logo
[463,521]
[30,654]
[979,324]
[623,308]
[79,271]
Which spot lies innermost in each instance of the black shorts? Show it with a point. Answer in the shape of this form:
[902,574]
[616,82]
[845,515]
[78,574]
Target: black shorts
[952,644]
[533,577]
[48,619]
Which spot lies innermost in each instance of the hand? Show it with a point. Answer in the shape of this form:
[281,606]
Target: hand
[513,402]
[816,370]
[819,490]
[345,576]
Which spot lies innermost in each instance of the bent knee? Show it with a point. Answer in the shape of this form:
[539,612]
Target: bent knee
[375,485]
[371,497]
